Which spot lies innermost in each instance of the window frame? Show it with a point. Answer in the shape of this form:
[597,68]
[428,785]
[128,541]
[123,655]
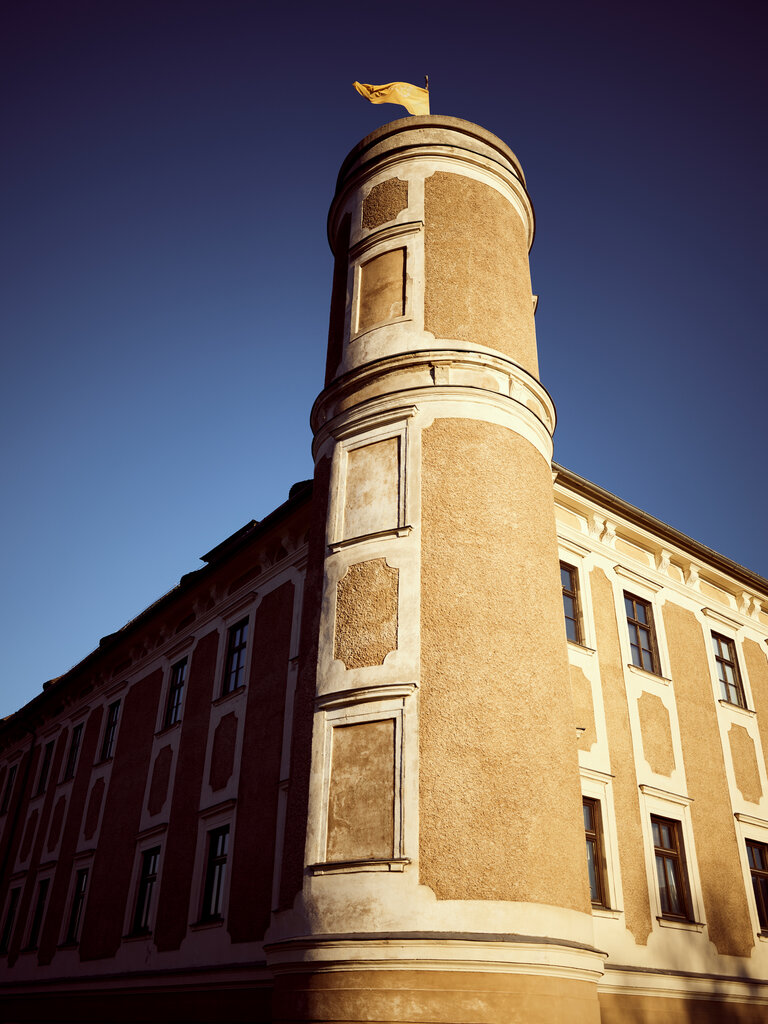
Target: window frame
[239,650]
[649,627]
[575,596]
[596,837]
[10,782]
[39,908]
[45,768]
[73,752]
[147,884]
[9,919]
[107,749]
[675,856]
[718,639]
[76,906]
[215,875]
[176,686]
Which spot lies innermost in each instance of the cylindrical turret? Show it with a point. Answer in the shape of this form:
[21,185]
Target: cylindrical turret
[444,865]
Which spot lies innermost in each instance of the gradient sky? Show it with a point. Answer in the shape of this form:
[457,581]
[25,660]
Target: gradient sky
[166,170]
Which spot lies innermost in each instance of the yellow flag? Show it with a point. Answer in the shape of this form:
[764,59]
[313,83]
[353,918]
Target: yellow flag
[414,99]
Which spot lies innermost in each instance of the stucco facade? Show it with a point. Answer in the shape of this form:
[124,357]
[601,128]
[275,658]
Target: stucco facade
[452,736]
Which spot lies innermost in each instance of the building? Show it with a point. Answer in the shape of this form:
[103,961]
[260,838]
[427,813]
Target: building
[452,736]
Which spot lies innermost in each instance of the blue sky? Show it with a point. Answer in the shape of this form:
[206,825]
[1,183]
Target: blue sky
[165,175]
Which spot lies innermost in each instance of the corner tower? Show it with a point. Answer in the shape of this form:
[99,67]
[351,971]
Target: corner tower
[439,813]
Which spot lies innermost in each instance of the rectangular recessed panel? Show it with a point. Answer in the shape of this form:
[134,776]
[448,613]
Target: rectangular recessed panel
[382,289]
[361,799]
[372,492]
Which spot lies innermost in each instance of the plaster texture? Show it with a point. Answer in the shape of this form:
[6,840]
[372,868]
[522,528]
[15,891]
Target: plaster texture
[657,737]
[384,202]
[717,851]
[505,821]
[366,614]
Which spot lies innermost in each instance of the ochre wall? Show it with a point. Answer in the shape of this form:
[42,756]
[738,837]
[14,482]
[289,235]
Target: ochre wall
[637,912]
[717,853]
[113,862]
[250,897]
[477,279]
[301,739]
[174,895]
[453,997]
[635,1009]
[500,806]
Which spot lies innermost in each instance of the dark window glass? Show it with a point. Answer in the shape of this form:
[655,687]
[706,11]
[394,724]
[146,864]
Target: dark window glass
[8,791]
[78,902]
[147,883]
[215,873]
[110,731]
[37,916]
[670,868]
[234,669]
[10,918]
[757,855]
[594,837]
[74,750]
[176,693]
[728,670]
[45,768]
[642,637]
[570,582]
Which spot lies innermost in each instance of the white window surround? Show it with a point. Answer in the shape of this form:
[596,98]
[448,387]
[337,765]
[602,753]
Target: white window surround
[148,839]
[677,807]
[599,786]
[575,555]
[732,631]
[244,608]
[211,819]
[647,590]
[750,827]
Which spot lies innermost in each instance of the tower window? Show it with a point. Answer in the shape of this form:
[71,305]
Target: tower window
[728,674]
[642,636]
[234,668]
[10,918]
[569,579]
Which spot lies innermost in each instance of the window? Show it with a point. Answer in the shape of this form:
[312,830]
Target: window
[110,731]
[37,916]
[146,889]
[595,860]
[74,750]
[234,669]
[78,902]
[728,670]
[8,791]
[670,868]
[570,582]
[215,872]
[757,855]
[45,768]
[642,637]
[176,693]
[10,918]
